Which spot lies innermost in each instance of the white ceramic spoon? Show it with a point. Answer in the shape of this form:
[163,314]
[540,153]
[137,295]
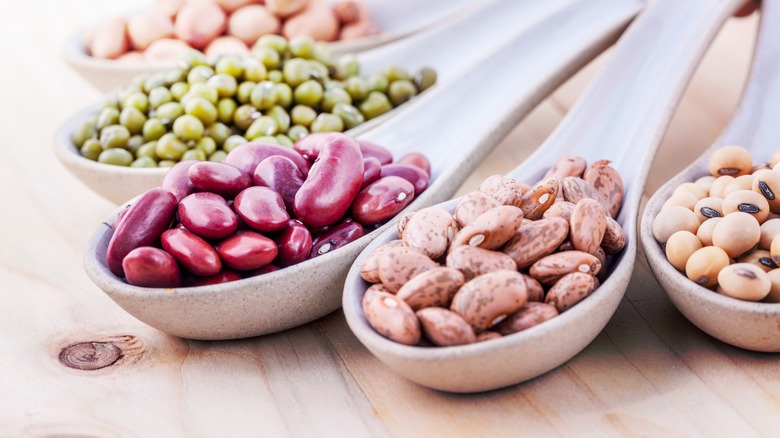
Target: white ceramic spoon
[754,326]
[397,18]
[622,118]
[473,36]
[455,125]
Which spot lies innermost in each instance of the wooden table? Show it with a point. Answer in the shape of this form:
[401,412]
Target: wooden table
[650,372]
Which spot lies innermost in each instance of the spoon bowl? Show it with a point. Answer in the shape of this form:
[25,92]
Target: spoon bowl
[631,103]
[455,145]
[748,325]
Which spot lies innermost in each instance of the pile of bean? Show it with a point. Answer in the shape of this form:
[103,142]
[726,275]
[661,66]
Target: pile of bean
[722,230]
[203,110]
[172,27]
[511,256]
[266,207]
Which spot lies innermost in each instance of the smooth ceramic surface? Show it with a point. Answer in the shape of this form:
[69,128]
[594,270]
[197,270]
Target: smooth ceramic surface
[475,34]
[621,118]
[397,18]
[753,326]
[455,145]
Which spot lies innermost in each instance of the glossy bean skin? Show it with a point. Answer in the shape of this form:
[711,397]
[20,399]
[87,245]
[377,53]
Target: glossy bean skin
[418,160]
[332,184]
[370,149]
[310,146]
[223,276]
[282,175]
[262,209]
[147,266]
[247,156]
[382,200]
[142,225]
[247,250]
[336,237]
[371,170]
[177,180]
[220,178]
[207,215]
[293,243]
[192,252]
[413,174]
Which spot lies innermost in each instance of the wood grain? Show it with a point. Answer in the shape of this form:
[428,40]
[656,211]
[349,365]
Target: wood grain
[650,372]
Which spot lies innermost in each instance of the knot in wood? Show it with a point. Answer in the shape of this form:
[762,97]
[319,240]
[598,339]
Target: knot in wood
[90,356]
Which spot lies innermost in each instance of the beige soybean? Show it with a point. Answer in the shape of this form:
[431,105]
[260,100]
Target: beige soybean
[430,231]
[539,198]
[744,282]
[536,239]
[730,160]
[489,298]
[570,165]
[397,265]
[560,209]
[491,229]
[607,182]
[531,314]
[679,248]
[390,316]
[767,183]
[704,233]
[761,166]
[673,219]
[736,234]
[719,186]
[445,328]
[551,268]
[370,269]
[744,182]
[708,208]
[614,238]
[705,182]
[587,225]
[746,201]
[769,230]
[474,261]
[682,199]
[570,290]
[504,190]
[472,205]
[760,258]
[704,265]
[774,249]
[774,291]
[692,188]
[434,287]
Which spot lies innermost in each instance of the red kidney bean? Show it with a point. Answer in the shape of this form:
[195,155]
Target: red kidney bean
[336,237]
[332,184]
[247,156]
[311,145]
[413,174]
[192,252]
[147,266]
[282,176]
[120,216]
[207,215]
[294,244]
[267,269]
[418,160]
[262,209]
[220,178]
[247,250]
[382,200]
[223,276]
[177,180]
[370,149]
[371,169]
[141,225]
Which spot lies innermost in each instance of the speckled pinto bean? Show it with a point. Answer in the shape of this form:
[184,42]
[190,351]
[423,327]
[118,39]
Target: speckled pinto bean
[445,328]
[332,184]
[262,209]
[504,190]
[382,200]
[472,205]
[390,316]
[534,289]
[397,265]
[539,198]
[336,237]
[177,180]
[551,268]
[293,243]
[430,231]
[370,269]
[281,175]
[142,225]
[220,178]
[491,229]
[434,287]
[614,237]
[416,176]
[587,225]
[488,335]
[247,250]
[193,253]
[608,184]
[403,222]
[561,209]
[536,239]
[247,156]
[744,282]
[570,165]
[570,290]
[147,266]
[489,298]
[207,215]
[531,314]
[474,261]
[575,189]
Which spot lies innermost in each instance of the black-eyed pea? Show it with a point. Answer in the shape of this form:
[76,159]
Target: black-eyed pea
[551,268]
[614,237]
[489,298]
[744,182]
[474,261]
[767,183]
[746,201]
[673,219]
[434,287]
[744,281]
[534,289]
[719,185]
[575,189]
[390,316]
[472,205]
[679,248]
[531,314]
[760,258]
[704,265]
[398,265]
[403,222]
[730,160]
[737,234]
[704,233]
[430,231]
[769,230]
[541,196]
[587,225]
[504,190]
[488,335]
[705,182]
[370,269]
[708,208]
[560,209]
[683,199]
[570,290]
[491,229]
[570,165]
[607,182]
[774,291]
[445,328]
[536,239]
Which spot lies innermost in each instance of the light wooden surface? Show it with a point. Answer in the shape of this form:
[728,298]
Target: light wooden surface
[650,373]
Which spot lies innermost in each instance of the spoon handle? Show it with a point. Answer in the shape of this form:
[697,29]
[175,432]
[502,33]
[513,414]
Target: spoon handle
[756,123]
